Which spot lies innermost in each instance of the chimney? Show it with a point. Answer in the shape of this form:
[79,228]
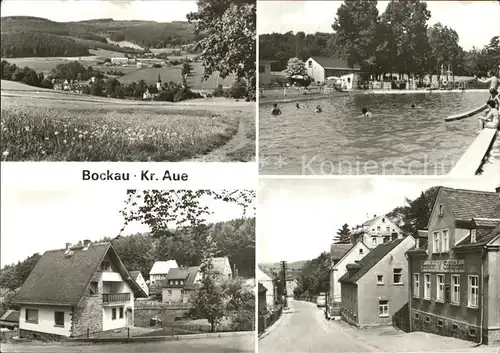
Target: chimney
[86,244]
[68,245]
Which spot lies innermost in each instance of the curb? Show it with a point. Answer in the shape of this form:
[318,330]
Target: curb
[273,326]
[161,338]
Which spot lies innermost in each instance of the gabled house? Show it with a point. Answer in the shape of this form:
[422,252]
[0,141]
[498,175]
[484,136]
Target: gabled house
[455,273]
[341,256]
[76,289]
[378,230]
[180,284]
[268,280]
[160,270]
[221,268]
[137,276]
[376,287]
[321,68]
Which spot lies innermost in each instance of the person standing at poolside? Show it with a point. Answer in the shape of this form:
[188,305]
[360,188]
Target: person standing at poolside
[492,79]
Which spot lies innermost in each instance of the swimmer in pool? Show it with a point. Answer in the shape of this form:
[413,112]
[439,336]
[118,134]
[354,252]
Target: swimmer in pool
[276,110]
[413,105]
[366,113]
[318,109]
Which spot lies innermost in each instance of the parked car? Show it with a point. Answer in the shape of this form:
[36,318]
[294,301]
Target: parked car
[321,300]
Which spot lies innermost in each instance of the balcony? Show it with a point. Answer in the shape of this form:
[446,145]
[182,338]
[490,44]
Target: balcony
[108,298]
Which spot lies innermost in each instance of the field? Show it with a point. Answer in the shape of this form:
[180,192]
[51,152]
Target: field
[45,125]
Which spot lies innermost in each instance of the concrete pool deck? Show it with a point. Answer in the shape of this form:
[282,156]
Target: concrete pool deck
[472,160]
[396,91]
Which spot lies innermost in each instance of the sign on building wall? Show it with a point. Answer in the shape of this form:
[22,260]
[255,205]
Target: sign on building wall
[443,266]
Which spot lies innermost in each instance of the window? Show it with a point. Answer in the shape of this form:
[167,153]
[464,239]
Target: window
[105,266]
[59,318]
[440,288]
[427,319]
[455,294]
[93,288]
[441,209]
[121,312]
[440,323]
[416,316]
[378,229]
[380,279]
[383,220]
[388,229]
[31,316]
[398,276]
[416,285]
[348,80]
[374,241]
[473,291]
[383,308]
[310,63]
[454,327]
[472,332]
[436,242]
[113,313]
[387,239]
[473,235]
[360,251]
[427,286]
[446,241]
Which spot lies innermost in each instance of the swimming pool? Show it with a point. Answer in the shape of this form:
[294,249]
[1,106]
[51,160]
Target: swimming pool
[398,140]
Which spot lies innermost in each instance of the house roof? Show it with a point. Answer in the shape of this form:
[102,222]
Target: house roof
[266,272]
[483,236]
[267,61]
[135,274]
[188,274]
[468,204]
[10,316]
[219,264]
[58,279]
[370,260]
[162,267]
[337,251]
[333,63]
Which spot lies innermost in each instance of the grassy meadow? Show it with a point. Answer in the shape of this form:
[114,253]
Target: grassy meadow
[45,126]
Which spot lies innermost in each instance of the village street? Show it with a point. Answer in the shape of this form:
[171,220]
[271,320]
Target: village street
[216,345]
[305,329]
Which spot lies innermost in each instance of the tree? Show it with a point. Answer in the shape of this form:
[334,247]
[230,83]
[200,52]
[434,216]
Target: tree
[356,27]
[185,210]
[444,48]
[315,276]
[343,235]
[296,71]
[208,300]
[185,72]
[229,45]
[409,46]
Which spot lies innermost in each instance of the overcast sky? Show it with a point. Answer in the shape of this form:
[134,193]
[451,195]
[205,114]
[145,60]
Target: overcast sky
[78,10]
[297,218]
[37,221]
[476,22]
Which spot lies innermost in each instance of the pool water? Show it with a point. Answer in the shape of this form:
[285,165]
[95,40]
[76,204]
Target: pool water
[398,140]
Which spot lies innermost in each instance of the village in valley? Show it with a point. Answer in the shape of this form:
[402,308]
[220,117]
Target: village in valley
[159,81]
[193,284]
[422,277]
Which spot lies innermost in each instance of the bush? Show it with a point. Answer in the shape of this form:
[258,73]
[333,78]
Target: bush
[185,93]
[239,89]
[219,91]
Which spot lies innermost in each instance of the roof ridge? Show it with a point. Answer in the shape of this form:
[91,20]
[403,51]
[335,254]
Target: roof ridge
[471,191]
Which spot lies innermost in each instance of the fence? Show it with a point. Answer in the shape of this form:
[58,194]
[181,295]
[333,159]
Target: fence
[267,320]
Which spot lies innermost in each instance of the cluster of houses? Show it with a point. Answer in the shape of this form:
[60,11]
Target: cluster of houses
[444,281]
[72,85]
[86,288]
[134,61]
[268,296]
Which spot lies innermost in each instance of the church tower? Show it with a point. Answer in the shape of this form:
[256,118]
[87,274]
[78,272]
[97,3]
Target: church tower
[158,84]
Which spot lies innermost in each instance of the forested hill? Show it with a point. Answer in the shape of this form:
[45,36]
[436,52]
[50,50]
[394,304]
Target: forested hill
[234,239]
[24,36]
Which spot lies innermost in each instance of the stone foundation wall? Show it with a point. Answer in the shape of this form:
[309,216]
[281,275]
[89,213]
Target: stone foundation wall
[89,314]
[40,336]
[445,327]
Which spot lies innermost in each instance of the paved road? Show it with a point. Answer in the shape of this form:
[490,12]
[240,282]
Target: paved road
[305,330]
[205,345]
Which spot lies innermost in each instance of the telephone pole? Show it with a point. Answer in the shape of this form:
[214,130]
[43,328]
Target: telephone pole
[283,271]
